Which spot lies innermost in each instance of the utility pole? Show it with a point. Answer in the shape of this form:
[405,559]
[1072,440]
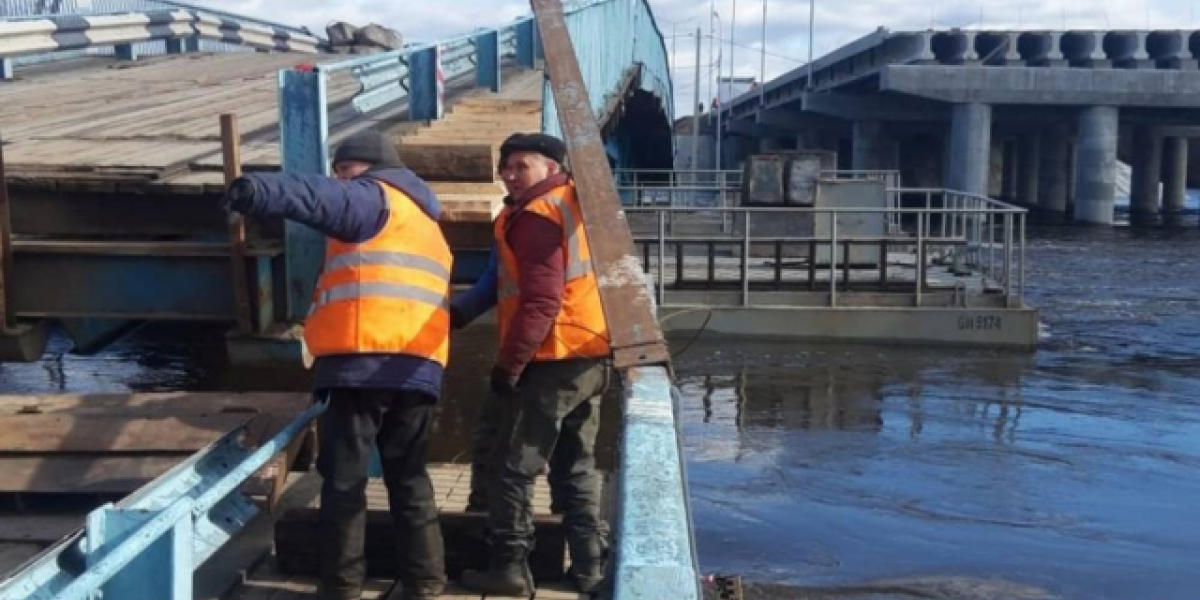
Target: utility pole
[696,107]
[732,52]
[720,107]
[812,13]
[712,40]
[762,68]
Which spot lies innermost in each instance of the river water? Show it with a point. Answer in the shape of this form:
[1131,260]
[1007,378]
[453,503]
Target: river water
[875,472]
[823,471]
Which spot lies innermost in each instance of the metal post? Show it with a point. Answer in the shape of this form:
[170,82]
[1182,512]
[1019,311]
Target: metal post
[662,259]
[717,130]
[919,273]
[762,68]
[425,84]
[833,239]
[1008,254]
[304,133]
[812,13]
[696,111]
[526,40]
[1021,272]
[746,263]
[7,70]
[487,65]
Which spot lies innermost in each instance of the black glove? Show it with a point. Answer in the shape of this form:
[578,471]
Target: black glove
[456,318]
[240,195]
[503,382]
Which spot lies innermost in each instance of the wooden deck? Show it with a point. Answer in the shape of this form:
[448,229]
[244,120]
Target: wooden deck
[451,487]
[102,126]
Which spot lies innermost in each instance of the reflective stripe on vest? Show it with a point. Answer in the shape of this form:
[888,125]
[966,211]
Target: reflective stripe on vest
[389,259]
[395,291]
[576,266]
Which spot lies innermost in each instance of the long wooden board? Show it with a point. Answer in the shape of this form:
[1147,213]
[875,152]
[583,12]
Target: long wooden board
[40,433]
[450,162]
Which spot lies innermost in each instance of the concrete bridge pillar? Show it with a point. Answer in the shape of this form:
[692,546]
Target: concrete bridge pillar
[1053,174]
[769,144]
[1008,178]
[1029,164]
[1175,174]
[874,149]
[1096,169]
[970,146]
[1147,167]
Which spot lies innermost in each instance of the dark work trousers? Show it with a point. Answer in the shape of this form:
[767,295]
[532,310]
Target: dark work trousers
[399,423]
[552,421]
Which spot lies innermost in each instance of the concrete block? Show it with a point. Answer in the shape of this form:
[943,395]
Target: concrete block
[340,33]
[379,37]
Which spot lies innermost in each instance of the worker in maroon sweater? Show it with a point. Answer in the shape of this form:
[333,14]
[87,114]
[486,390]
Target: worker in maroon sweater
[551,372]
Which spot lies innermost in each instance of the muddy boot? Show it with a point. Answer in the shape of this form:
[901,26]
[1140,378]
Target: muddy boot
[508,578]
[588,563]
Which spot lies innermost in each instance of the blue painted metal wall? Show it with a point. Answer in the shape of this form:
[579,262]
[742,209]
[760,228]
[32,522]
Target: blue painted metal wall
[616,34]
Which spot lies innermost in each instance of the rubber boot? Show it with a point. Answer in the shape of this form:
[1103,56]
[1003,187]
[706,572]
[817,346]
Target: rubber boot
[422,562]
[588,563]
[507,578]
[400,591]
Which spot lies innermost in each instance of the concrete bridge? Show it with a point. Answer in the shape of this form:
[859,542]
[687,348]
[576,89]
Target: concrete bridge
[1039,118]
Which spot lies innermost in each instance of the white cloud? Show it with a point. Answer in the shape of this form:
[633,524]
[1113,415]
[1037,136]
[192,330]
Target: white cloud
[838,22]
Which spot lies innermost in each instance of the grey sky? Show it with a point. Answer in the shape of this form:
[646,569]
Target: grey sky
[838,22]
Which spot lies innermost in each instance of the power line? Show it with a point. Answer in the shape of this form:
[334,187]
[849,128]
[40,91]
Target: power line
[781,56]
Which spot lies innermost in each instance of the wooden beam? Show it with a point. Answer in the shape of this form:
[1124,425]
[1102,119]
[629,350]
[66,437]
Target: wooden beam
[231,152]
[59,433]
[6,321]
[450,162]
[633,329]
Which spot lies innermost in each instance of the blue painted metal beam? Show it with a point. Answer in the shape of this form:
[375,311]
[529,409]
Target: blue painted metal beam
[527,42]
[125,52]
[149,544]
[304,142]
[655,550]
[487,66]
[425,84]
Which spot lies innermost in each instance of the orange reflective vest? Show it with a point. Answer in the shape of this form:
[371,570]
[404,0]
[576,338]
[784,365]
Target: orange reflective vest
[388,295]
[580,330]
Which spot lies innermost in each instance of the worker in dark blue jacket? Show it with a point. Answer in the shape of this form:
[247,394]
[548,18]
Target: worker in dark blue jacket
[379,329]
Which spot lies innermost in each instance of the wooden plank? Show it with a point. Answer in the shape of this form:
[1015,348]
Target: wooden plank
[474,162]
[40,433]
[298,543]
[231,151]
[442,188]
[169,403]
[38,528]
[118,475]
[7,323]
[629,310]
[13,555]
